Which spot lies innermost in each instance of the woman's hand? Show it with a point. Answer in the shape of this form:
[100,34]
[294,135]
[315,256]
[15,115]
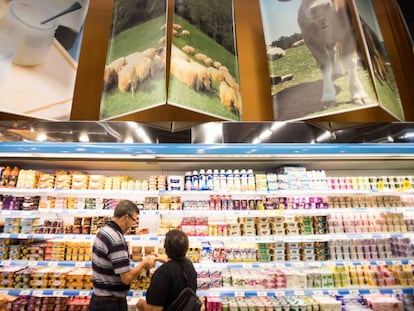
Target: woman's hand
[160,258]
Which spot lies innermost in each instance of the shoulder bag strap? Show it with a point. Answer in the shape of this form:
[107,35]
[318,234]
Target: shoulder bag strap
[185,274]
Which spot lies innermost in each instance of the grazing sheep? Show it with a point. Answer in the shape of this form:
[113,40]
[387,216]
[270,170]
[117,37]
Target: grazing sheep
[200,57]
[298,43]
[203,81]
[208,62]
[157,67]
[216,74]
[136,71]
[275,53]
[111,71]
[177,27]
[231,81]
[185,33]
[217,64]
[181,70]
[223,68]
[142,65]
[125,77]
[188,49]
[229,98]
[191,73]
[176,52]
[175,33]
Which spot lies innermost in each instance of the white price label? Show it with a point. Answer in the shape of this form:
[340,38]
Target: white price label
[58,293]
[80,264]
[25,292]
[84,293]
[317,293]
[239,294]
[380,263]
[354,292]
[299,293]
[37,293]
[214,294]
[136,294]
[261,294]
[32,263]
[333,292]
[52,264]
[22,236]
[398,291]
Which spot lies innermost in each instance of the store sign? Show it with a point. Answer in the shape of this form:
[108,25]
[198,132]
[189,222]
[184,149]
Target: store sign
[40,42]
[187,60]
[327,57]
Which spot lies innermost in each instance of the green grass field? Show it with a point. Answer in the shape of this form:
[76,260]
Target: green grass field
[153,92]
[299,62]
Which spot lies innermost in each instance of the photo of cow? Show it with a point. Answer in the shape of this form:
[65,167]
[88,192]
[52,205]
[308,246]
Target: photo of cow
[318,59]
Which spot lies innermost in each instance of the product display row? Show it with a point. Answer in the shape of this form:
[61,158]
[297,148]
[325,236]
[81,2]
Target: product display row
[100,200]
[231,225]
[281,178]
[220,251]
[323,277]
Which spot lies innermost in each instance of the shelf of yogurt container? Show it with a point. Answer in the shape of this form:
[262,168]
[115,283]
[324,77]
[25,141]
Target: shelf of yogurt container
[219,292]
[121,193]
[57,212]
[297,237]
[303,292]
[241,239]
[225,265]
[78,193]
[75,237]
[46,263]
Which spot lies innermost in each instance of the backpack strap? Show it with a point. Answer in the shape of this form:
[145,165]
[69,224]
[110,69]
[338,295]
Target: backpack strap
[185,274]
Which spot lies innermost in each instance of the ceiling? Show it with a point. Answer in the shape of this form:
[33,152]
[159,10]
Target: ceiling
[212,132]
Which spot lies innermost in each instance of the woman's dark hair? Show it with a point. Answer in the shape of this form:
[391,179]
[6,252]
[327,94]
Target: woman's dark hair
[176,244]
[125,207]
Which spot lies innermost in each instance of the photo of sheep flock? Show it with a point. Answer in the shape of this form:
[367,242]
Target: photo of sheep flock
[203,70]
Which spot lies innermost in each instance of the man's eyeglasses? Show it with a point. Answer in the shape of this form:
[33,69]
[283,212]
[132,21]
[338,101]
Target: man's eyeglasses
[135,220]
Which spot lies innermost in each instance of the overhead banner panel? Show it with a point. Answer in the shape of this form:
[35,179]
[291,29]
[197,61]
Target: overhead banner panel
[327,58]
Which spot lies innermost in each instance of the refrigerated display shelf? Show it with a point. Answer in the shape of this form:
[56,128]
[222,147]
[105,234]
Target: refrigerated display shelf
[223,292]
[182,157]
[251,239]
[221,265]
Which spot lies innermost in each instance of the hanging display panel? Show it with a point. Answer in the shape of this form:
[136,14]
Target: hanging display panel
[135,75]
[204,75]
[40,42]
[320,61]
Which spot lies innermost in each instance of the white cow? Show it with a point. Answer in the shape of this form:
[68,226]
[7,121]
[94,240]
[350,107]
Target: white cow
[327,32]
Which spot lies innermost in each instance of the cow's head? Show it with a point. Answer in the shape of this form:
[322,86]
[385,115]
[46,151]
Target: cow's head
[317,9]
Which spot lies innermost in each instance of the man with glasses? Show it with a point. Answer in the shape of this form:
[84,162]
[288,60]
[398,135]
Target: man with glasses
[112,272]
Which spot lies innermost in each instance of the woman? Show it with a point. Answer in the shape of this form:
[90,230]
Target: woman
[171,277]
